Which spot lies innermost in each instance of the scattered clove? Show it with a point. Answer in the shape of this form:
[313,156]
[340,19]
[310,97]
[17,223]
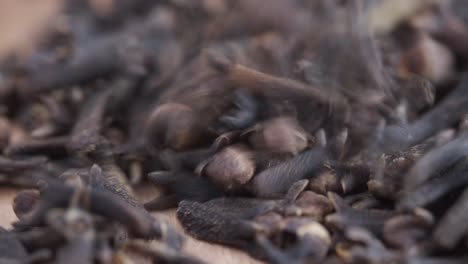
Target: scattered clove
[275,181]
[233,166]
[323,131]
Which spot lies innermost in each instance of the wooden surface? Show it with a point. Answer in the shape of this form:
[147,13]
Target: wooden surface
[6,211]
[210,253]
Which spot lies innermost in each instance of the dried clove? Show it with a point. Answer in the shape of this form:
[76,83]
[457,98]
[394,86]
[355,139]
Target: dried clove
[57,195]
[208,224]
[181,185]
[279,135]
[9,165]
[313,205]
[400,137]
[323,131]
[407,231]
[231,167]
[40,237]
[433,189]
[452,226]
[52,147]
[11,247]
[266,85]
[346,216]
[24,202]
[85,136]
[59,119]
[312,242]
[245,113]
[275,181]
[77,227]
[434,161]
[352,178]
[326,181]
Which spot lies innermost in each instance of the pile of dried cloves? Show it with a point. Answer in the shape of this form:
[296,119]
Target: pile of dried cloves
[298,131]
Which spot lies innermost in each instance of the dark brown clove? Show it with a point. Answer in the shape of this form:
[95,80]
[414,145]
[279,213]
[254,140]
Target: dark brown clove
[301,138]
[57,195]
[229,213]
[231,167]
[107,178]
[270,86]
[10,247]
[174,126]
[50,147]
[249,208]
[208,224]
[362,201]
[433,189]
[407,231]
[422,55]
[346,216]
[40,237]
[178,186]
[20,164]
[353,178]
[92,60]
[243,115]
[326,181]
[313,205]
[366,203]
[312,242]
[13,252]
[453,33]
[418,92]
[275,181]
[77,227]
[186,116]
[188,160]
[265,160]
[436,260]
[435,161]
[365,248]
[226,139]
[279,135]
[24,202]
[5,131]
[85,136]
[97,61]
[453,226]
[383,190]
[59,120]
[400,137]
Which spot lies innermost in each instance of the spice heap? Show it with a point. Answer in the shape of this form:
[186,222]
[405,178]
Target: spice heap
[305,131]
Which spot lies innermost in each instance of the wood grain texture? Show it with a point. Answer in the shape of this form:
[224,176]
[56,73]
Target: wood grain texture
[210,253]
